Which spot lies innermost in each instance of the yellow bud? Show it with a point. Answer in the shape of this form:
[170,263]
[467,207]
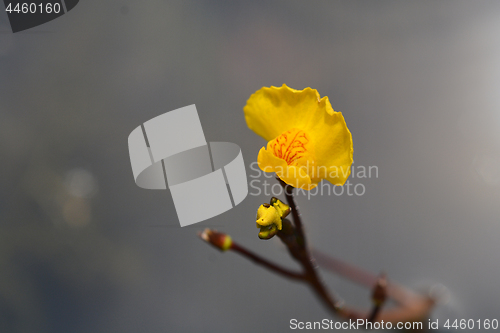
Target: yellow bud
[268,232]
[282,208]
[267,215]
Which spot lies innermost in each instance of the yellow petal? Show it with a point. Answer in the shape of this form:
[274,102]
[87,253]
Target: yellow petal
[333,148]
[273,110]
[297,177]
[294,146]
[270,163]
[270,112]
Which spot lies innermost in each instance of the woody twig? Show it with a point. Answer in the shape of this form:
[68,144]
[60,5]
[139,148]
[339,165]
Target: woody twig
[409,305]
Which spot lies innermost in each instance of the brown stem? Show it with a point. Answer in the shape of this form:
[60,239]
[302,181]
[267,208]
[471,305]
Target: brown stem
[344,269]
[374,313]
[379,296]
[263,262]
[301,239]
[411,306]
[397,293]
[301,253]
[309,276]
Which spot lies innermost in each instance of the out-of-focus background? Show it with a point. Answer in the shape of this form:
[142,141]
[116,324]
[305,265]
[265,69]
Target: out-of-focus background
[83,249]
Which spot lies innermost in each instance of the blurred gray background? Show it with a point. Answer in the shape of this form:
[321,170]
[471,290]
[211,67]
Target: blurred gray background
[83,249]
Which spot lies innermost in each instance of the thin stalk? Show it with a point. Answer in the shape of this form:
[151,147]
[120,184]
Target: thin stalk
[264,262]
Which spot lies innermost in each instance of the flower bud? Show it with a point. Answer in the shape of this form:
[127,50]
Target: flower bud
[268,232]
[282,208]
[219,240]
[267,215]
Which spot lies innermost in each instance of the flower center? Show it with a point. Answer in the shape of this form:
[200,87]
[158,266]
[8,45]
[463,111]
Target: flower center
[290,145]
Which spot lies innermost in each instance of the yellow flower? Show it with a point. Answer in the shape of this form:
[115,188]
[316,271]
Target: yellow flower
[270,218]
[307,140]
